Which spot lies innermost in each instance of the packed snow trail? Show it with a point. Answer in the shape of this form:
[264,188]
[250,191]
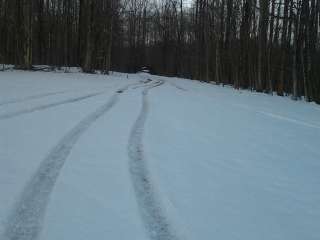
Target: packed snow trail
[25,221]
[49,105]
[155,221]
[37,96]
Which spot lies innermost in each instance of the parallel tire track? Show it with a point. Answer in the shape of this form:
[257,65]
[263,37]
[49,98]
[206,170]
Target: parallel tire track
[46,106]
[155,221]
[37,96]
[26,218]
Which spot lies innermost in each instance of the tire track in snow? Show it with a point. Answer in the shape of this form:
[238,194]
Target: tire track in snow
[177,86]
[288,119]
[26,218]
[155,221]
[37,96]
[278,116]
[49,105]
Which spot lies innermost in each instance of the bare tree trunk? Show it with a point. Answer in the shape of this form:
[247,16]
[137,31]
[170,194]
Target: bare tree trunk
[25,36]
[284,43]
[263,23]
[270,48]
[294,58]
[110,32]
[87,65]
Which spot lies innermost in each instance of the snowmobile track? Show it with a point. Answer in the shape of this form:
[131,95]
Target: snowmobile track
[26,218]
[154,219]
[49,105]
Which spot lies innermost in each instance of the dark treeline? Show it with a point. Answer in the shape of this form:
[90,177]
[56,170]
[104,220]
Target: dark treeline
[264,45]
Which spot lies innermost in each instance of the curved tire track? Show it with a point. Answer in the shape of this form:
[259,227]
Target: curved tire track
[155,221]
[49,105]
[26,218]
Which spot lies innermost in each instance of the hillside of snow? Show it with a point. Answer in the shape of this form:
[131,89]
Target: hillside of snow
[138,156]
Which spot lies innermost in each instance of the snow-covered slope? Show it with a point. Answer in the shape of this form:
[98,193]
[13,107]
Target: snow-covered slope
[122,157]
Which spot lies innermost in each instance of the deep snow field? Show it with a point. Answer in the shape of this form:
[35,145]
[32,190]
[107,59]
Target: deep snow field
[136,156]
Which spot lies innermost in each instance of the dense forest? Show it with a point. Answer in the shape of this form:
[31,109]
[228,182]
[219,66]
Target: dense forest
[264,45]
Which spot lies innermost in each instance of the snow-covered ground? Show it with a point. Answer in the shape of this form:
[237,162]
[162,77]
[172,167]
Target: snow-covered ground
[122,157]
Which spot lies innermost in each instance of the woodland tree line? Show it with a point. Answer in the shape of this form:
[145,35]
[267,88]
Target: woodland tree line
[263,45]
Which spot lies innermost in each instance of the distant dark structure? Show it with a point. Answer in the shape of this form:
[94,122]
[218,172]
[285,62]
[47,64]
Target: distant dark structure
[264,45]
